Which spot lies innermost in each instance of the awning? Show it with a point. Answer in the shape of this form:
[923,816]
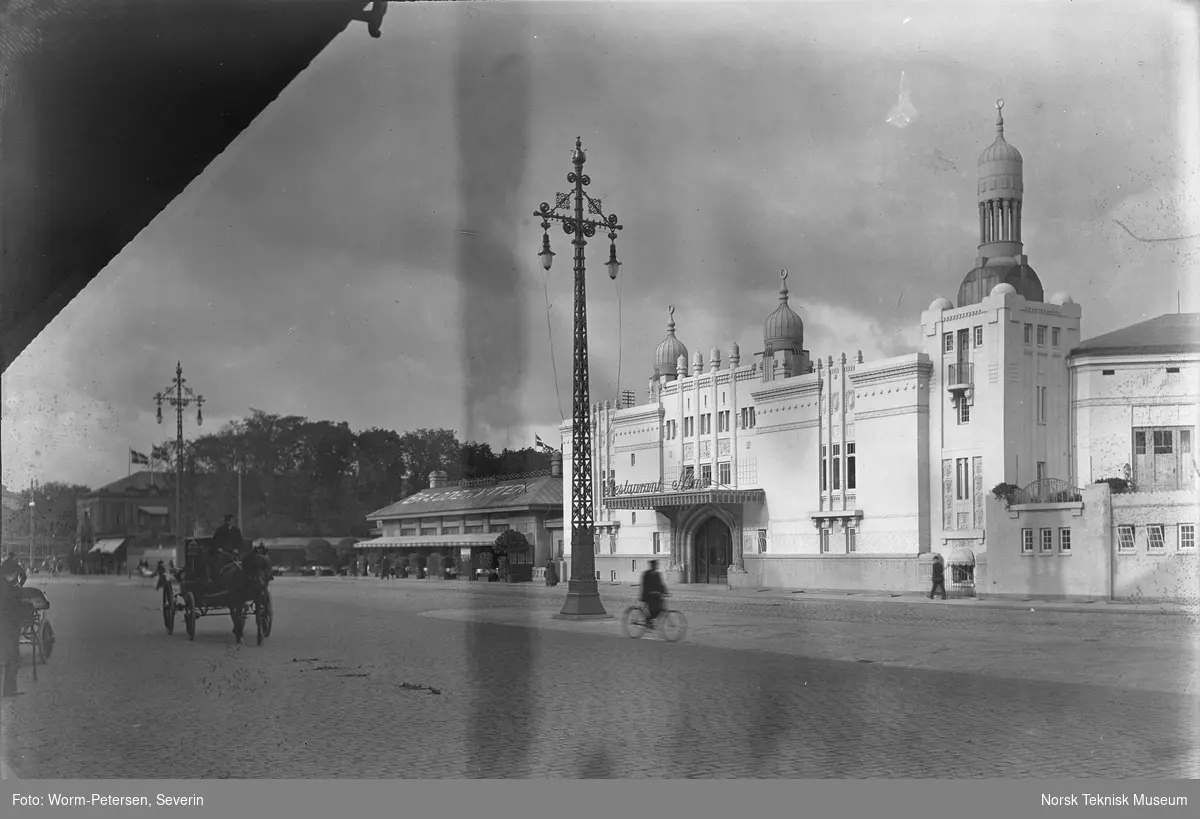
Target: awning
[656,500]
[428,541]
[962,556]
[107,546]
[154,510]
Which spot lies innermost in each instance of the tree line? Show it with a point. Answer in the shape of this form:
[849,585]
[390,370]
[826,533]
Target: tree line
[304,478]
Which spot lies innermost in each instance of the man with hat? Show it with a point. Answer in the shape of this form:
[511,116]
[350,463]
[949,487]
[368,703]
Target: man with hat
[13,566]
[653,592]
[12,611]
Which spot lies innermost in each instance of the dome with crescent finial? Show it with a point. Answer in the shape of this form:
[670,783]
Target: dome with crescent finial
[783,329]
[1001,169]
[666,356]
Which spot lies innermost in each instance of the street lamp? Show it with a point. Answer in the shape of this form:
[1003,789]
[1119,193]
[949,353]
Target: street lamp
[583,596]
[179,396]
[32,504]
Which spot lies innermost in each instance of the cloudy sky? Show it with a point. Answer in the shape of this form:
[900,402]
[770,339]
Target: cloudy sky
[366,250]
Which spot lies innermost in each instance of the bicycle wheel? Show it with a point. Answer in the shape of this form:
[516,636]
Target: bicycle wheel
[47,640]
[633,622]
[674,625]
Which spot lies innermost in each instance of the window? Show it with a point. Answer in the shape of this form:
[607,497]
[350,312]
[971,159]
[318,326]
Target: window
[1054,337]
[1187,536]
[688,426]
[823,468]
[947,342]
[1041,405]
[1041,470]
[851,471]
[657,543]
[963,478]
[723,421]
[613,575]
[1162,458]
[1041,335]
[411,531]
[633,566]
[428,531]
[824,541]
[1172,370]
[560,548]
[762,541]
[723,473]
[964,411]
[705,475]
[836,466]
[1108,372]
[449,530]
[1047,540]
[633,517]
[597,574]
[1028,333]
[1125,538]
[747,417]
[473,529]
[851,539]
[1154,537]
[1027,541]
[706,424]
[688,473]
[632,459]
[1064,541]
[978,336]
[723,398]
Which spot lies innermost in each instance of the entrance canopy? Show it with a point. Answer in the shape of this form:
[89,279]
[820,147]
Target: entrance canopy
[108,546]
[428,541]
[691,497]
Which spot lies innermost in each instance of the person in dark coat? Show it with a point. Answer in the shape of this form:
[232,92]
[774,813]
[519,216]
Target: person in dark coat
[653,592]
[228,539]
[939,577]
[551,574]
[12,611]
[13,566]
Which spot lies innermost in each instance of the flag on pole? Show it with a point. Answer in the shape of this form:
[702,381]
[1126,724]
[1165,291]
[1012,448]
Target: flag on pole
[538,442]
[136,457]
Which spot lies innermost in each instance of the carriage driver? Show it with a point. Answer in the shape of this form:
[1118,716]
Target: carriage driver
[228,539]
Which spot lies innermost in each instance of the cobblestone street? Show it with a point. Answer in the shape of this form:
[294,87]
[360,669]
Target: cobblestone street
[409,679]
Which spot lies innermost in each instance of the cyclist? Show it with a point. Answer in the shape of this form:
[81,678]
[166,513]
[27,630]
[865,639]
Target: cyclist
[653,592]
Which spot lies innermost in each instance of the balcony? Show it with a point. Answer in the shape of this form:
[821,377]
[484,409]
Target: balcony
[960,378]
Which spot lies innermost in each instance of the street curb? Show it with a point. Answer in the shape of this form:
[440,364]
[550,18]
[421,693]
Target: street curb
[798,596]
[6,771]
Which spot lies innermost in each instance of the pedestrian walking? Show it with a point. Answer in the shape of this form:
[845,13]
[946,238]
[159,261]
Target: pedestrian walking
[551,574]
[12,610]
[939,577]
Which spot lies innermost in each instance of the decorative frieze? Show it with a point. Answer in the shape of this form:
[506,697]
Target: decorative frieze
[722,447]
[705,449]
[689,451]
[977,489]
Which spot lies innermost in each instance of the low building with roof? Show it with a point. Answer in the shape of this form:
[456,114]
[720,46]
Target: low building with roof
[461,519]
[126,521]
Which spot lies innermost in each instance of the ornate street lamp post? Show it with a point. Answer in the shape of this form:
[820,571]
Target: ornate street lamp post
[583,597]
[179,396]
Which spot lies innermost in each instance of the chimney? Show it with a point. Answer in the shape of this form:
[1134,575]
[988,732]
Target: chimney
[437,479]
[556,464]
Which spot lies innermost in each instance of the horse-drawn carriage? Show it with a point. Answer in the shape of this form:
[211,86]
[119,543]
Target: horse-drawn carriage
[211,584]
[35,629]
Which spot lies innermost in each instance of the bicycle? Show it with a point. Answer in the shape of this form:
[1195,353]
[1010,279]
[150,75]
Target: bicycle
[670,622]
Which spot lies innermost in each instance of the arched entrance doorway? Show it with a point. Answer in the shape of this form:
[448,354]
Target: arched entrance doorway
[713,549]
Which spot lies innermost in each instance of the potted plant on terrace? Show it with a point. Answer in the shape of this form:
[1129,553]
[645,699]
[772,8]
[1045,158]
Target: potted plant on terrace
[513,549]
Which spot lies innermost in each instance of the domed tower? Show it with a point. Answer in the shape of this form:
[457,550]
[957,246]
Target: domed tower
[666,356]
[1001,255]
[783,337]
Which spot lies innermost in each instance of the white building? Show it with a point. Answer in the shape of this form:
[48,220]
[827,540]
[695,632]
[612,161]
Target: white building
[835,473]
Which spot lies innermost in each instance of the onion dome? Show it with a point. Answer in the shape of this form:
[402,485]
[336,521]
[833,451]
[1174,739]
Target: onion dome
[981,281]
[783,330]
[940,303]
[666,356]
[1000,151]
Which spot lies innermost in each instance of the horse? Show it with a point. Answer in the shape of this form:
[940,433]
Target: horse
[242,582]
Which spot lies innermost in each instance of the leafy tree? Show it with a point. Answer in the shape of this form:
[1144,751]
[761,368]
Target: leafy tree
[510,542]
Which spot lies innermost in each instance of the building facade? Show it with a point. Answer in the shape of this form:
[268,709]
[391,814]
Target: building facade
[800,471]
[460,520]
[127,520]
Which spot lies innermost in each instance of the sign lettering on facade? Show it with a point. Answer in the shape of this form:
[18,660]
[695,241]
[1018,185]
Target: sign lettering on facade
[682,485]
[467,493]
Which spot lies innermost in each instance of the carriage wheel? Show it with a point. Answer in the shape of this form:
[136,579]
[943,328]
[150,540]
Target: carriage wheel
[263,616]
[168,608]
[47,640]
[189,615]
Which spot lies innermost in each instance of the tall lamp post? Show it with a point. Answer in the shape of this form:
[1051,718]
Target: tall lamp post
[583,596]
[179,395]
[32,504]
